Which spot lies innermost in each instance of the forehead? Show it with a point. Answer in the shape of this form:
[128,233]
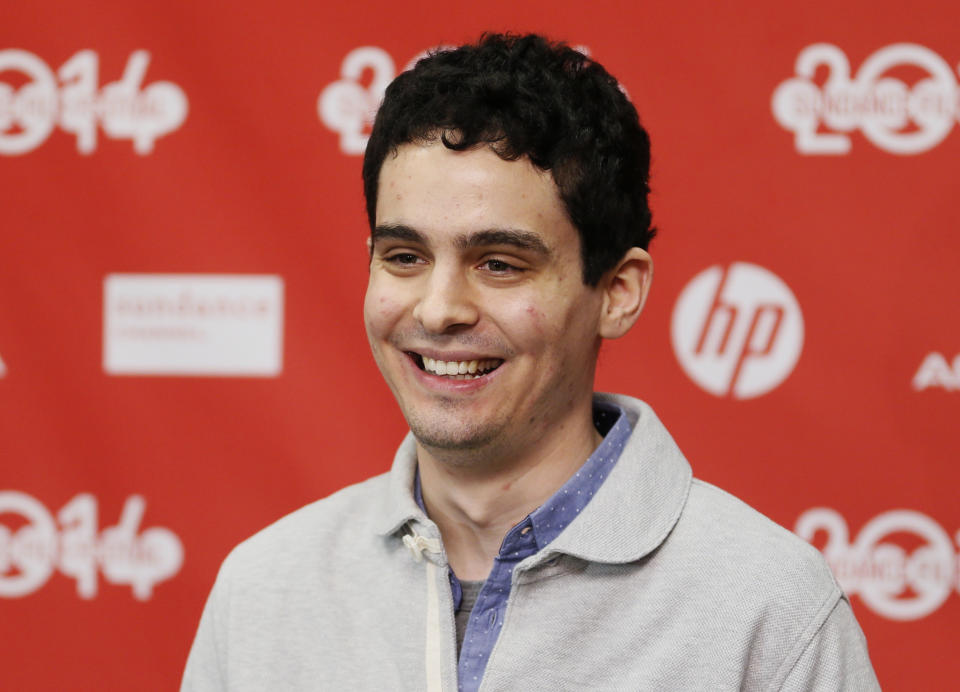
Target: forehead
[442,192]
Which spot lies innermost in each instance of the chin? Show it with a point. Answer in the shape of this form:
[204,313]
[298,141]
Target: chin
[452,437]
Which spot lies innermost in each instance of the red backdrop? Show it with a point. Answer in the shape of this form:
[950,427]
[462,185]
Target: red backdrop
[182,265]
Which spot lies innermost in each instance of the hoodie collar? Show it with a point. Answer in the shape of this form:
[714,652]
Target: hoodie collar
[651,480]
[397,506]
[641,500]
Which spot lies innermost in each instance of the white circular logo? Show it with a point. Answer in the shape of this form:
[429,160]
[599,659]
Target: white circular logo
[123,553]
[900,117]
[31,550]
[896,582]
[737,330]
[73,100]
[32,107]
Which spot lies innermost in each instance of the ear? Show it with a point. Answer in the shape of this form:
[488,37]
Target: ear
[625,289]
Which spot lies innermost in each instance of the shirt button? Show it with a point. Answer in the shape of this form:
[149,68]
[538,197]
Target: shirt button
[493,618]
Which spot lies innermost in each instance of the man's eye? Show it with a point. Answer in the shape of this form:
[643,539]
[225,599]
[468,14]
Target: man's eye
[403,258]
[500,267]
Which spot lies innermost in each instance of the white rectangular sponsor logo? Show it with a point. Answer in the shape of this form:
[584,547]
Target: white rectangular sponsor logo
[193,324]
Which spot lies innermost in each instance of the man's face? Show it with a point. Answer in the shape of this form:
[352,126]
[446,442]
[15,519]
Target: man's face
[476,311]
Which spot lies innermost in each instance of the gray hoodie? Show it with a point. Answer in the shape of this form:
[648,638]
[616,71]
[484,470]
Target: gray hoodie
[663,582]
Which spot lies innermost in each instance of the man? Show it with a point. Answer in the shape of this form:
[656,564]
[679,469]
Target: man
[530,534]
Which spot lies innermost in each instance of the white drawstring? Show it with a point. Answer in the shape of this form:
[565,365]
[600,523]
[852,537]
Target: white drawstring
[417,545]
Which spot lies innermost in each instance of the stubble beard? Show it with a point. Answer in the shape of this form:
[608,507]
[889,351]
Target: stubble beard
[449,433]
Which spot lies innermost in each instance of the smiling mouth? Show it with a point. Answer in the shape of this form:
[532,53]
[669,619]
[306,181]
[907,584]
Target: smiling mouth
[456,369]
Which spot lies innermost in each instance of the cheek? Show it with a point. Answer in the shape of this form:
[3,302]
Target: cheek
[520,313]
[380,311]
[540,320]
[528,324]
[565,329]
[536,319]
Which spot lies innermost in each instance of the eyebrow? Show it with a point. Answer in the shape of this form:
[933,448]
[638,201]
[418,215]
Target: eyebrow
[397,232]
[524,240]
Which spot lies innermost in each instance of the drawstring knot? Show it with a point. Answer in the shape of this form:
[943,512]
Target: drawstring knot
[418,544]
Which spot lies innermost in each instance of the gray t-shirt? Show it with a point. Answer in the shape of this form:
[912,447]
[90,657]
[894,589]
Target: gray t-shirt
[471,589]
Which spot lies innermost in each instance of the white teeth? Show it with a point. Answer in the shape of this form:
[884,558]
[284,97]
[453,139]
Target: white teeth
[460,370]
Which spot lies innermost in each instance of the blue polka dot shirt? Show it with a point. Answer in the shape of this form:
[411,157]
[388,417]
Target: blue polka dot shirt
[528,537]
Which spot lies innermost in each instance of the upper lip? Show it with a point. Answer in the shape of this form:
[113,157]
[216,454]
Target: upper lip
[455,356]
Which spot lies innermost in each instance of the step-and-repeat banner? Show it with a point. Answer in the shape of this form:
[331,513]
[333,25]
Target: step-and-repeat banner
[182,264]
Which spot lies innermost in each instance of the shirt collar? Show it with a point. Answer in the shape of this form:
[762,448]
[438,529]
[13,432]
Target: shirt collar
[553,516]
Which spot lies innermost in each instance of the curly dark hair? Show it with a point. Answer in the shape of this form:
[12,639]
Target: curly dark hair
[526,96]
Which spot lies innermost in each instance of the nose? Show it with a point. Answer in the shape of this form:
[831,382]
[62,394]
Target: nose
[446,301]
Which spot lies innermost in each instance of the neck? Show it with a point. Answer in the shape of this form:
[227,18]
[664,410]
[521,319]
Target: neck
[475,505]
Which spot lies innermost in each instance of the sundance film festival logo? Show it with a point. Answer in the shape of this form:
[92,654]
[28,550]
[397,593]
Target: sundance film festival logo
[35,544]
[348,106]
[37,101]
[193,324]
[896,116]
[737,330]
[902,564]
